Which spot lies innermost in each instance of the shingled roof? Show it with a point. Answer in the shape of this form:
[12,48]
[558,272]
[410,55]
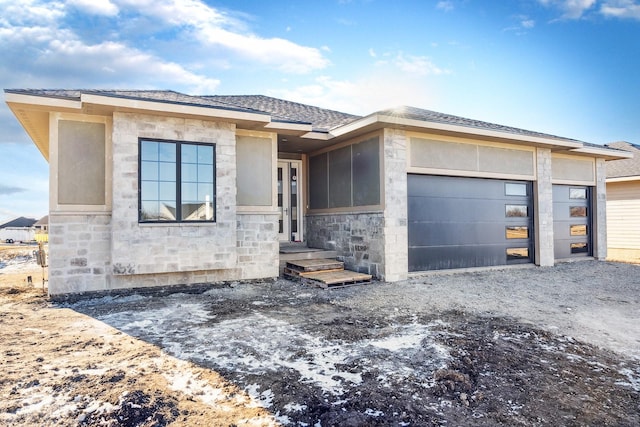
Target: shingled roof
[625,167]
[278,110]
[19,222]
[321,119]
[433,116]
[167,96]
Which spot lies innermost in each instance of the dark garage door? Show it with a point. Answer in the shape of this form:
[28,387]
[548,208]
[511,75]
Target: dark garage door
[459,222]
[571,221]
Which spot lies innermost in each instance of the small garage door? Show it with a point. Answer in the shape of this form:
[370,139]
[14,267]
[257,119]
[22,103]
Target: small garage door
[456,222]
[571,221]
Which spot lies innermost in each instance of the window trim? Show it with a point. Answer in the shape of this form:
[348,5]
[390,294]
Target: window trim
[178,162]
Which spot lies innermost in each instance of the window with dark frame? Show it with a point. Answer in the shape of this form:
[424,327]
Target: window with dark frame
[176,181]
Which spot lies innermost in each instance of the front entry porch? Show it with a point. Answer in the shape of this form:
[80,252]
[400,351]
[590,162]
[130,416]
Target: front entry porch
[316,266]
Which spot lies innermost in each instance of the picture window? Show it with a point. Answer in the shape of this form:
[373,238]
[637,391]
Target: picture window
[177,181]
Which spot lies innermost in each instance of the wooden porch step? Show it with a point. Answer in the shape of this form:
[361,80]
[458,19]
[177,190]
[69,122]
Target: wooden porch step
[317,264]
[332,279]
[325,273]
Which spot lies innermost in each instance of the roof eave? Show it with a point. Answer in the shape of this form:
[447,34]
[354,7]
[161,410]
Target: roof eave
[605,153]
[95,103]
[384,120]
[624,178]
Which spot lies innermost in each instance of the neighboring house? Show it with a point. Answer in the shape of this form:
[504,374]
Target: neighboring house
[42,229]
[157,188]
[623,204]
[17,230]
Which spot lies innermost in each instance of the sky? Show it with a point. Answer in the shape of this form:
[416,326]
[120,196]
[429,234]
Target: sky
[564,67]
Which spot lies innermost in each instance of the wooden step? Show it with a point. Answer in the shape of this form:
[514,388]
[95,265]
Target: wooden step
[332,279]
[310,265]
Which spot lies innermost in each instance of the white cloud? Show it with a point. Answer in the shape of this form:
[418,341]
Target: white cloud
[372,53]
[116,63]
[381,89]
[21,11]
[420,65]
[213,28]
[445,5]
[621,9]
[572,9]
[96,7]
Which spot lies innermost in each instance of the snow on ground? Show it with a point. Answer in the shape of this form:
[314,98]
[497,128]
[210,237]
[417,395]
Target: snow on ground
[233,345]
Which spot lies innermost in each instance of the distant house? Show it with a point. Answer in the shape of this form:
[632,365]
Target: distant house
[157,188]
[623,204]
[41,229]
[17,230]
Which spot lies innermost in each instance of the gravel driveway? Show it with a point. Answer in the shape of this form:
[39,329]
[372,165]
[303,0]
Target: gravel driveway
[524,346]
[596,302]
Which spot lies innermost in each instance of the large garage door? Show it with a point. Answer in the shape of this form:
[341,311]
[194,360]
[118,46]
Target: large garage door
[571,221]
[468,222]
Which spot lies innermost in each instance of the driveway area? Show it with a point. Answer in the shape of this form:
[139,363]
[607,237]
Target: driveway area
[526,346]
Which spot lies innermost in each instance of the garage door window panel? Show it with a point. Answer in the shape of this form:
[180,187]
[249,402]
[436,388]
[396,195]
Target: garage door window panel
[515,189]
[517,232]
[517,211]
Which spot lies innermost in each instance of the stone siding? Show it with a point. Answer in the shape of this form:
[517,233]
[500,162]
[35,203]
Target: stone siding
[600,201]
[396,239]
[100,252]
[258,245]
[170,248]
[79,252]
[357,237]
[543,199]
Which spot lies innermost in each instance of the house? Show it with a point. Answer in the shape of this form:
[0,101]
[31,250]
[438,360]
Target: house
[17,230]
[623,204]
[157,188]
[41,228]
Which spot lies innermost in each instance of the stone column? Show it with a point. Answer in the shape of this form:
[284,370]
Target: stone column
[543,202]
[396,246]
[599,204]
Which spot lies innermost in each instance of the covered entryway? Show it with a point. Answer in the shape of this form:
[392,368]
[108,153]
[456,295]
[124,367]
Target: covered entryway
[571,221]
[459,222]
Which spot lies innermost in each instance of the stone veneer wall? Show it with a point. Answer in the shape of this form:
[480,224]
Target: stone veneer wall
[543,200]
[357,237]
[257,246]
[99,252]
[79,252]
[396,238]
[600,201]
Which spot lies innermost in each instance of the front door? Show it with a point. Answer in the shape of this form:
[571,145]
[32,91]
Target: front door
[289,197]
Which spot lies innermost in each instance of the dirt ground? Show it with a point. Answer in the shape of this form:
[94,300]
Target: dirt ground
[530,346]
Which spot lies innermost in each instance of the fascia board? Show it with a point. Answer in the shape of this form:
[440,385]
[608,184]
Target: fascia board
[427,125]
[42,102]
[603,152]
[624,179]
[169,107]
[320,136]
[296,127]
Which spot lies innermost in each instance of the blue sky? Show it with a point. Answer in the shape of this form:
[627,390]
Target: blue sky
[565,67]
